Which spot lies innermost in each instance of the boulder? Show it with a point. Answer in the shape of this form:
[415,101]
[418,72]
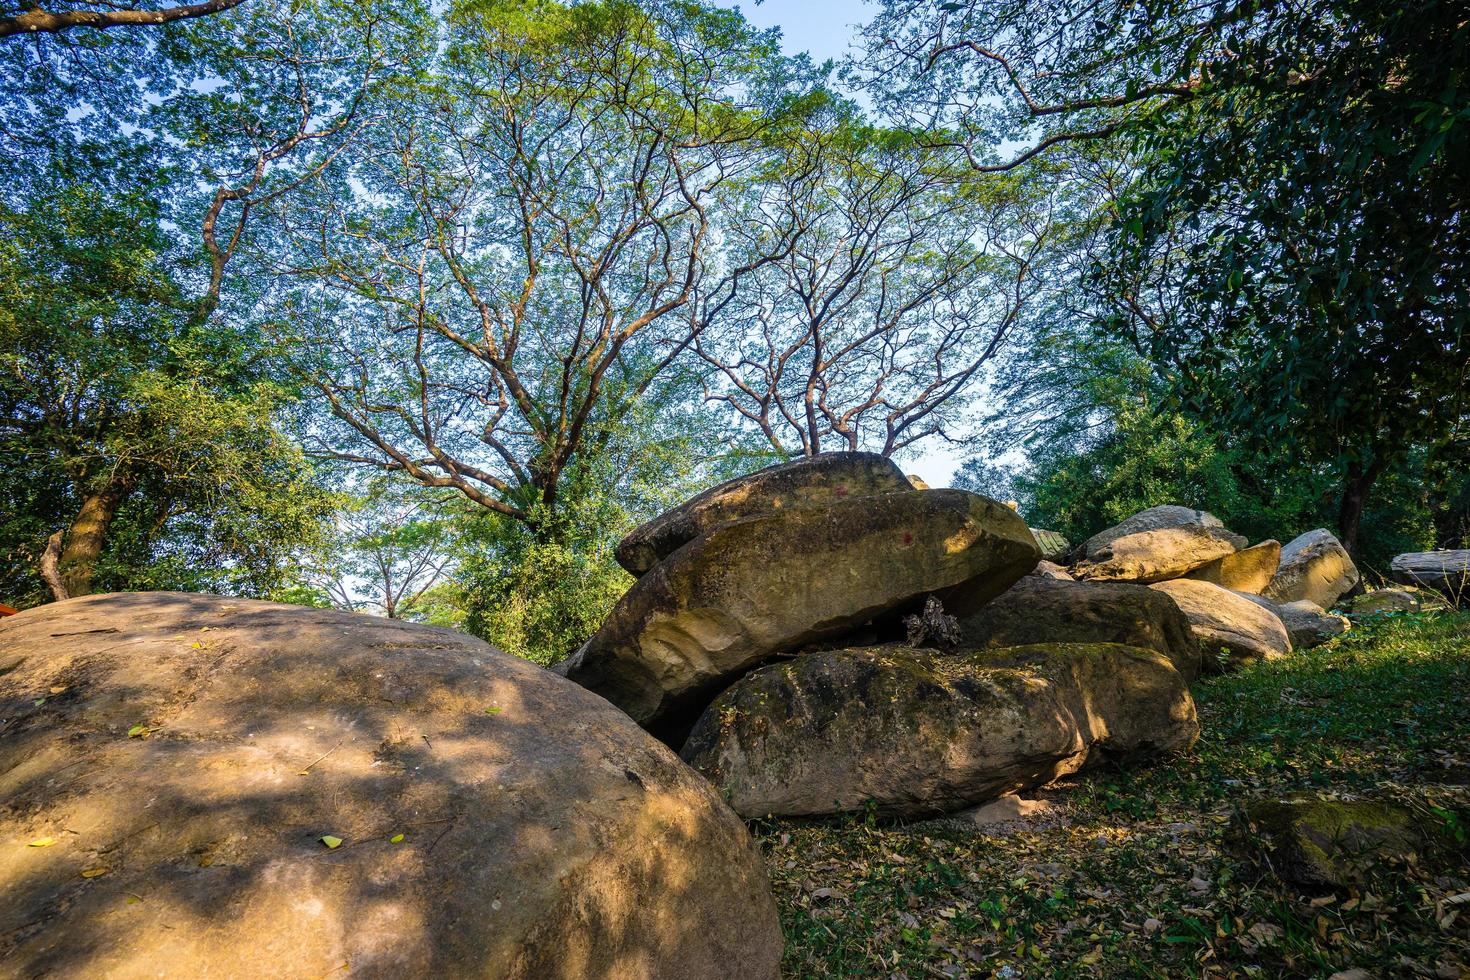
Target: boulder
[917,482]
[1335,843]
[1314,566]
[1157,555]
[1154,519]
[1247,570]
[1053,546]
[1042,610]
[918,733]
[810,480]
[1226,623]
[1309,625]
[1046,569]
[745,591]
[1446,572]
[228,788]
[1381,601]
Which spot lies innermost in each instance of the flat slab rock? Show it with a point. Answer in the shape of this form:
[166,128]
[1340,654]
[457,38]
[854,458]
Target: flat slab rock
[819,479]
[1228,625]
[747,590]
[1444,571]
[1040,609]
[170,765]
[917,733]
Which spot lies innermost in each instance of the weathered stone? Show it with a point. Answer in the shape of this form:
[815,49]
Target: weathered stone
[1314,566]
[1046,569]
[1053,546]
[1321,843]
[1154,519]
[1226,623]
[1309,625]
[1040,610]
[914,732]
[917,482]
[1247,570]
[1446,572]
[810,480]
[186,755]
[1406,600]
[1157,555]
[747,590]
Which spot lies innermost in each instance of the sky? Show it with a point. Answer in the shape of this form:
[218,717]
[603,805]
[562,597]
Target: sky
[822,27]
[825,28]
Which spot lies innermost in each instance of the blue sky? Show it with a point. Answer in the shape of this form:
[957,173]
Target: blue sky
[822,27]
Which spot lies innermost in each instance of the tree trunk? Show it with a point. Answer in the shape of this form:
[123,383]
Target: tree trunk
[87,536]
[1354,496]
[49,573]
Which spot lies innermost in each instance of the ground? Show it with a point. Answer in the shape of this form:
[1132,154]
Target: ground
[1139,873]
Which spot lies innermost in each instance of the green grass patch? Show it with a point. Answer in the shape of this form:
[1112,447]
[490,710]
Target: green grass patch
[1140,879]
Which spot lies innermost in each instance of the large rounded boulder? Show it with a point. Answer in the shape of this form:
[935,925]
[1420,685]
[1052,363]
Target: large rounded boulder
[744,591]
[1160,543]
[1041,609]
[1314,566]
[805,482]
[911,732]
[1232,630]
[197,786]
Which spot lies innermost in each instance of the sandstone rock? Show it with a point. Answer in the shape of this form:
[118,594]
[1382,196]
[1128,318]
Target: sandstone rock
[1446,572]
[1314,566]
[188,754]
[1225,622]
[1321,843]
[914,732]
[1381,601]
[1053,546]
[750,589]
[1247,570]
[1309,625]
[1157,555]
[1039,610]
[1154,519]
[917,482]
[1046,569]
[810,480]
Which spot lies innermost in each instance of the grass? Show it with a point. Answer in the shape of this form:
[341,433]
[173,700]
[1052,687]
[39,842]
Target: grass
[1140,879]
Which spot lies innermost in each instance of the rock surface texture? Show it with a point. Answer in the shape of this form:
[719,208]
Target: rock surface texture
[1224,622]
[176,762]
[820,479]
[1045,610]
[1160,543]
[915,732]
[1446,572]
[1309,625]
[1247,570]
[1314,566]
[745,591]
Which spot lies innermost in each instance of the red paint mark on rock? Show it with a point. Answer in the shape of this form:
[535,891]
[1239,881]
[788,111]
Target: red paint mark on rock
[908,537]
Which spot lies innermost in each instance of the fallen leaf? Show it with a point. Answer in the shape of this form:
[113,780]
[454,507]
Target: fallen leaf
[43,842]
[332,842]
[139,731]
[57,690]
[396,839]
[94,872]
[494,711]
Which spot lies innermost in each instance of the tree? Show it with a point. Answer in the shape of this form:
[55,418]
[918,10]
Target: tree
[495,283]
[32,19]
[892,287]
[1320,175]
[128,419]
